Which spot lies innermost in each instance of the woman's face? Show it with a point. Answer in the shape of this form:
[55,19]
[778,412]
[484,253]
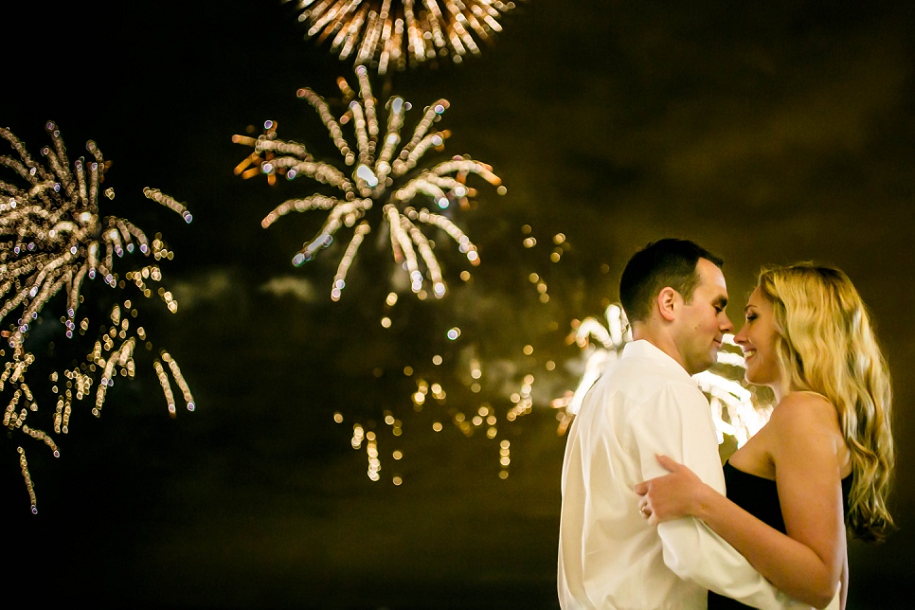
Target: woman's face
[757,339]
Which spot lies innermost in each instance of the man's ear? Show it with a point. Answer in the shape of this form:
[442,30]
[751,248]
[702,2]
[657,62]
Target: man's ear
[668,301]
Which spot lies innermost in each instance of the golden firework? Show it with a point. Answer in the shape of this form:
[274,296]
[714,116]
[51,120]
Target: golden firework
[385,33]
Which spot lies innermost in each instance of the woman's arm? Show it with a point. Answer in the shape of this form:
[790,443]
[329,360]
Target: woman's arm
[844,599]
[808,562]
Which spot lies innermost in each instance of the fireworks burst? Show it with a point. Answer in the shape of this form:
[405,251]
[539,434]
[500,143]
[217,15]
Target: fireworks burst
[384,33]
[53,238]
[727,396]
[382,178]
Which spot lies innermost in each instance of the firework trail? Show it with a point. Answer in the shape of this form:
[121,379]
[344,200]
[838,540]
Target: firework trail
[52,239]
[383,181]
[385,33]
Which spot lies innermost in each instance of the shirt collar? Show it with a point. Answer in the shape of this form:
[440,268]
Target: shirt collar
[646,349]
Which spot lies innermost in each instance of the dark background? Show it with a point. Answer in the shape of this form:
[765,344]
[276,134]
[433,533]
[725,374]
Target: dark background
[769,132]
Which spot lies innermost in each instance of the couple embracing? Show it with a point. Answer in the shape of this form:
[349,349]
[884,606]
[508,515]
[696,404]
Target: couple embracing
[650,520]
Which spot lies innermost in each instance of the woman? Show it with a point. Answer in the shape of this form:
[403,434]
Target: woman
[823,461]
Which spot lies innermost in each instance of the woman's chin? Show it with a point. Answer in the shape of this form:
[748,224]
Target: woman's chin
[754,378]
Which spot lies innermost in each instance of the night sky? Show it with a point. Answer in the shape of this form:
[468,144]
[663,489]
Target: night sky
[768,132]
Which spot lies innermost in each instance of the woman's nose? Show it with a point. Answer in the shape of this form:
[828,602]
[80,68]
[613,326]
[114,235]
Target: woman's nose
[740,337]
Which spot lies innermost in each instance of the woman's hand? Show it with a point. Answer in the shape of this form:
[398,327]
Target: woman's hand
[671,496]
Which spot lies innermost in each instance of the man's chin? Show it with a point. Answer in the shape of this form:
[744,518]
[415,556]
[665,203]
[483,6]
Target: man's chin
[711,362]
[700,367]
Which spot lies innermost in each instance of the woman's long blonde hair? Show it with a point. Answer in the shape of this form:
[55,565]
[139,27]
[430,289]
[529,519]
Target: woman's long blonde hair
[826,344]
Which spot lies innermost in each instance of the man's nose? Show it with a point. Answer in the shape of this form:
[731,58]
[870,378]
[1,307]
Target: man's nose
[727,327]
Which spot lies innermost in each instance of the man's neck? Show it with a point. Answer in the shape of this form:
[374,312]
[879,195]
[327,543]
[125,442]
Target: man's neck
[661,340]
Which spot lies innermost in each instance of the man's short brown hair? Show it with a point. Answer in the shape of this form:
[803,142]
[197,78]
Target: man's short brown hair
[666,262]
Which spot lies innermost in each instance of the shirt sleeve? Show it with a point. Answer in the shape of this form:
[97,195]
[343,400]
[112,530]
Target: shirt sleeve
[678,423]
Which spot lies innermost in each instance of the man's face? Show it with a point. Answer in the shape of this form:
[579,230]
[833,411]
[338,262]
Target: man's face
[703,321]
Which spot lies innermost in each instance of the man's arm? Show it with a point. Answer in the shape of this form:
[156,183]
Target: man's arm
[678,423]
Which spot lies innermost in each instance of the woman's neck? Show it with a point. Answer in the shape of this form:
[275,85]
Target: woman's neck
[781,390]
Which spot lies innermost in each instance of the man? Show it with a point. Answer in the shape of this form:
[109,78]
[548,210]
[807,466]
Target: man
[646,403]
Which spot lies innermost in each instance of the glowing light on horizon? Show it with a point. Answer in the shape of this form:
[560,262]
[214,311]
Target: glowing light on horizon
[398,33]
[384,183]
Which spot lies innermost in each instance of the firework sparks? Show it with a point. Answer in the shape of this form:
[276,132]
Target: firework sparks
[395,33]
[52,239]
[606,347]
[465,385]
[383,181]
[431,405]
[603,344]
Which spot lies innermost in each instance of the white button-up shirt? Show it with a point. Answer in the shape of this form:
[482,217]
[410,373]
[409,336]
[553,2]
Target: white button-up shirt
[609,556]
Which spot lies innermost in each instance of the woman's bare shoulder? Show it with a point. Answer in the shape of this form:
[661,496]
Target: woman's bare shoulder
[800,412]
[805,424]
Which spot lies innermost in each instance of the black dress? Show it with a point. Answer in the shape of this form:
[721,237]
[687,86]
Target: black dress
[759,497]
